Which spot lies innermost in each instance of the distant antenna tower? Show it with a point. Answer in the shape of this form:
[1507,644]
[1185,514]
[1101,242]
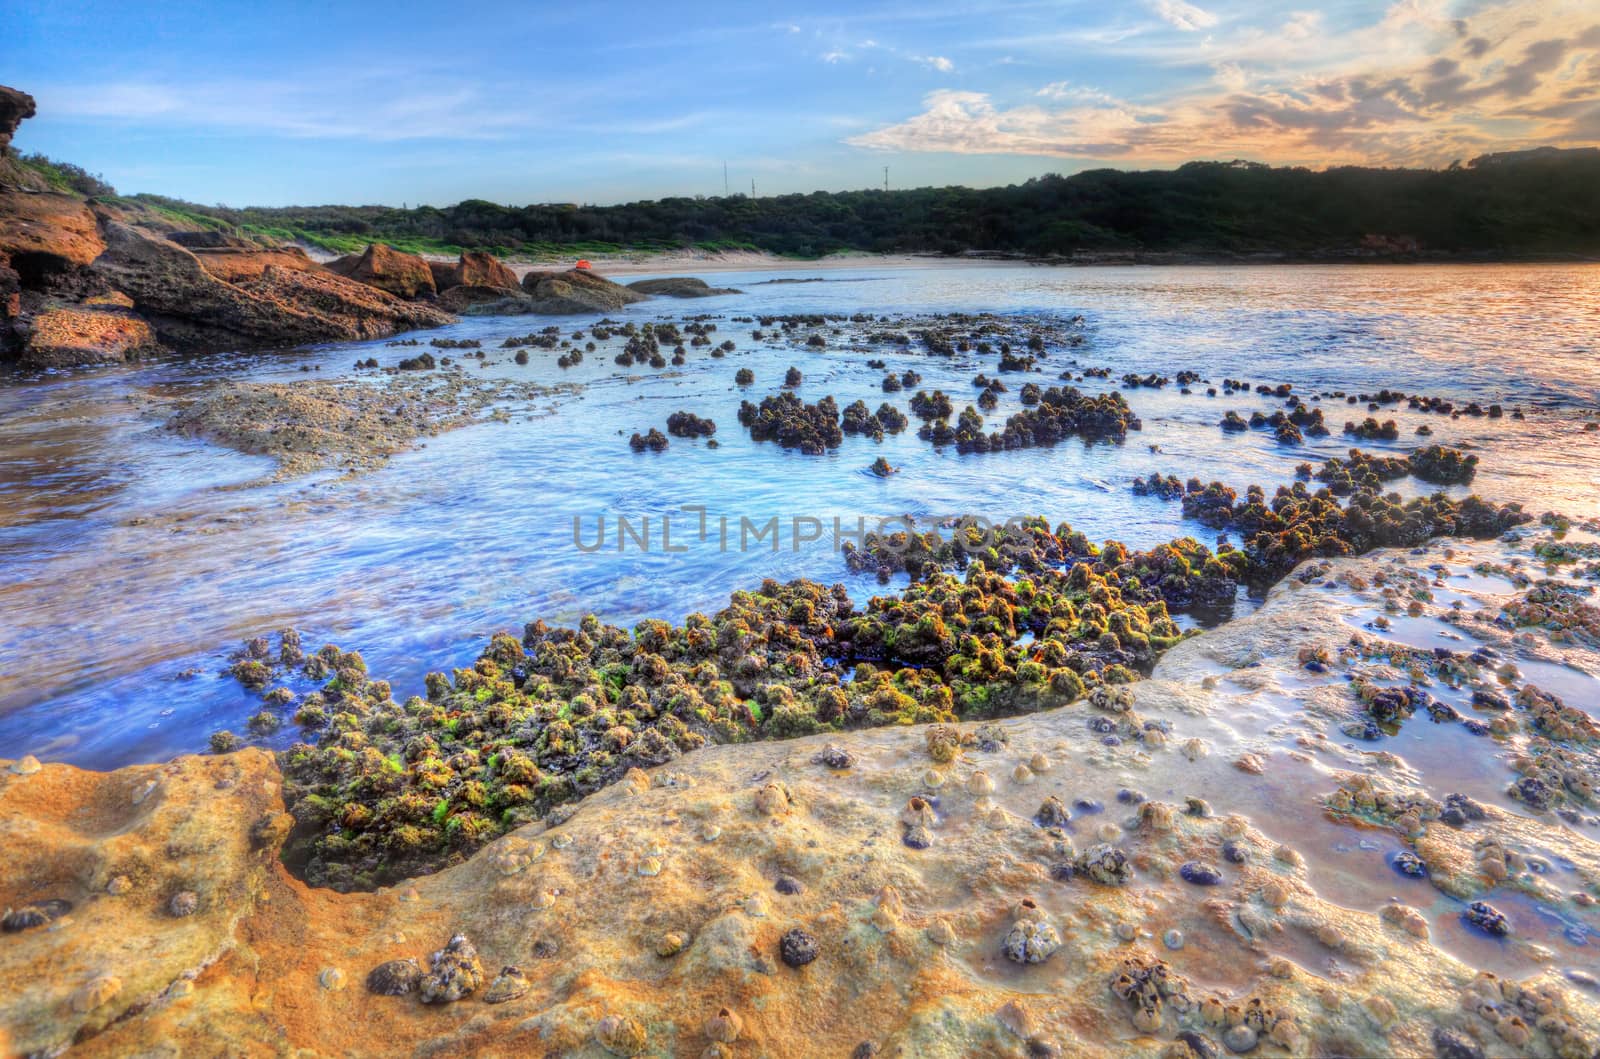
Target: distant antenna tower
[886,178]
[752,187]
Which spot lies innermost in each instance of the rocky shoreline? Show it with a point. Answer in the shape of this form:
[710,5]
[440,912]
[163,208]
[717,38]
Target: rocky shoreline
[101,280]
[892,891]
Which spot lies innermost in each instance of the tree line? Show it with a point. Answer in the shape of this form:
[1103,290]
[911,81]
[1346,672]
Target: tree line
[1532,203]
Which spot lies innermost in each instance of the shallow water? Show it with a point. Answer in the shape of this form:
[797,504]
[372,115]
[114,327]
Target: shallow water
[129,568]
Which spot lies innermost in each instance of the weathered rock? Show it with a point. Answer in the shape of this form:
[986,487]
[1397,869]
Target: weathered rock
[16,107]
[576,291]
[312,424]
[234,264]
[382,266]
[679,287]
[72,336]
[474,269]
[45,235]
[192,309]
[73,832]
[473,300]
[478,269]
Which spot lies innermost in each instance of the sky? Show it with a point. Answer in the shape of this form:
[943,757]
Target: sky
[279,103]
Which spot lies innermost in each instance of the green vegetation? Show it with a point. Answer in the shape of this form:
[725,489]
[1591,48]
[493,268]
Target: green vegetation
[1544,202]
[63,176]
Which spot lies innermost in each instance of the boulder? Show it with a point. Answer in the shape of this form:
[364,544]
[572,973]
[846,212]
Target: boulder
[474,269]
[77,335]
[401,274]
[477,269]
[46,235]
[193,309]
[679,287]
[576,291]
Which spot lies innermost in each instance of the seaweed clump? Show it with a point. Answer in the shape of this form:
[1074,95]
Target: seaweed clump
[794,424]
[382,790]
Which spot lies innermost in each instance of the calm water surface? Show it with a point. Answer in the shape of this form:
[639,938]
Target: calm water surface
[129,567]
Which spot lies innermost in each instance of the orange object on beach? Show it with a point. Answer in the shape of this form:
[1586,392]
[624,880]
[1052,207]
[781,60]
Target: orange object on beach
[581,264]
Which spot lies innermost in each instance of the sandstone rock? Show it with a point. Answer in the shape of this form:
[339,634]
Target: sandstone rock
[45,234]
[74,832]
[72,336]
[382,266]
[679,287]
[192,309]
[478,269]
[474,269]
[239,264]
[15,107]
[576,291]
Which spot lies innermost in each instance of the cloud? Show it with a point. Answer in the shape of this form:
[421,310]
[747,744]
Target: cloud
[1183,15]
[1066,90]
[1415,86]
[935,62]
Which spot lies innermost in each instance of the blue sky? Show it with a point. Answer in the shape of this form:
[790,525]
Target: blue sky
[273,103]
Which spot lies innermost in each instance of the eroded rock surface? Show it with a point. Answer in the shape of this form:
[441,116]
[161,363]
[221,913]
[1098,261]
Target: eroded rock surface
[382,266]
[576,291]
[89,334]
[191,308]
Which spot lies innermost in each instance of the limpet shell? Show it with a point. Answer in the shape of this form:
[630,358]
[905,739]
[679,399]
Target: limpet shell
[1022,774]
[95,992]
[561,841]
[1039,763]
[979,784]
[26,765]
[1016,1019]
[724,1027]
[772,800]
[509,984]
[940,932]
[620,1035]
[650,866]
[933,779]
[331,979]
